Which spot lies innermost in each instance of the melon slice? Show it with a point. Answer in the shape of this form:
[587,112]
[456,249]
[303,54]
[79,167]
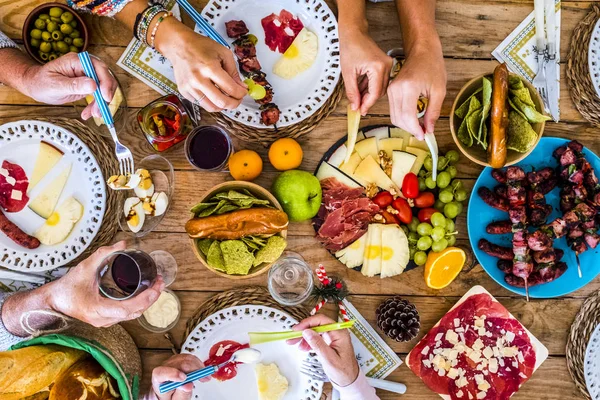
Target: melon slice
[338,156]
[45,203]
[382,132]
[48,156]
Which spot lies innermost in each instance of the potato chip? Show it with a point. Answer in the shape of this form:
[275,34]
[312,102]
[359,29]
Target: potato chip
[524,95]
[530,112]
[225,202]
[463,134]
[465,107]
[487,105]
[515,83]
[473,123]
[520,136]
[238,259]
[214,257]
[272,250]
[514,107]
[204,245]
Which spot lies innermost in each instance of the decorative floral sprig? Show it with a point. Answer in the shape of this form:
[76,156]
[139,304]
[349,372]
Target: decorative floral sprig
[332,290]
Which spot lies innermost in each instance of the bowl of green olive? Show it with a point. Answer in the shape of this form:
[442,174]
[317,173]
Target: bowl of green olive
[52,30]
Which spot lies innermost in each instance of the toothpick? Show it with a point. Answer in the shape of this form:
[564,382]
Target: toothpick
[578,264]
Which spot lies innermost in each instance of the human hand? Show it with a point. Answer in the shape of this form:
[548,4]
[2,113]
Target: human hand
[334,349]
[423,74]
[205,71]
[175,370]
[63,81]
[77,294]
[365,68]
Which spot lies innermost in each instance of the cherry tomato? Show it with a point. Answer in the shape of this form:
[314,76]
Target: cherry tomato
[425,200]
[426,213]
[383,199]
[410,186]
[388,217]
[404,215]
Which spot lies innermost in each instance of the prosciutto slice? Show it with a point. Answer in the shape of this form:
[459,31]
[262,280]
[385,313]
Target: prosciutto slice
[281,30]
[20,184]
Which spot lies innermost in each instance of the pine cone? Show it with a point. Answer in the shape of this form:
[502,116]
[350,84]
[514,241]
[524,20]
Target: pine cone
[399,319]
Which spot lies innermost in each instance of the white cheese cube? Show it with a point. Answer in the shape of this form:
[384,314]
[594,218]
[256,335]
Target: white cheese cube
[509,337]
[439,337]
[462,382]
[425,350]
[459,394]
[16,195]
[483,386]
[488,352]
[11,181]
[3,172]
[452,373]
[452,337]
[510,351]
[481,395]
[520,357]
[289,31]
[478,345]
[456,322]
[475,356]
[493,365]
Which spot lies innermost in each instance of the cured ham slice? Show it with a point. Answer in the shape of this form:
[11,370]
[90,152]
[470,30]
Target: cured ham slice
[13,187]
[220,353]
[281,30]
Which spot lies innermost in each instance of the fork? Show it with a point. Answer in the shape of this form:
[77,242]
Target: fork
[124,156]
[539,82]
[314,370]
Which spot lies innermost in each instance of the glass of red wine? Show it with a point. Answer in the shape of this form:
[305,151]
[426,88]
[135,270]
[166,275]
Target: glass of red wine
[125,274]
[208,148]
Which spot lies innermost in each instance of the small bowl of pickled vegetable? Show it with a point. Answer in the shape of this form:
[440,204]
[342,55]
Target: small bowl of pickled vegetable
[52,30]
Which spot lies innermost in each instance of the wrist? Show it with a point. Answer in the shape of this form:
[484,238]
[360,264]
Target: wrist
[170,32]
[424,44]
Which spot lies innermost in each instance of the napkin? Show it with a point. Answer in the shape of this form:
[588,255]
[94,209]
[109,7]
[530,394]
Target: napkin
[518,49]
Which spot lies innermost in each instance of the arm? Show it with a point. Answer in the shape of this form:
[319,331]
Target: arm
[423,72]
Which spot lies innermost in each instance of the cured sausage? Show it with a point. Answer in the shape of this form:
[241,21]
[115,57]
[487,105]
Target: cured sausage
[16,234]
[498,118]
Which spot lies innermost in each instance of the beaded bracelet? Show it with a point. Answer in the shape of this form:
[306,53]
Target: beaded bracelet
[136,25]
[147,17]
[155,29]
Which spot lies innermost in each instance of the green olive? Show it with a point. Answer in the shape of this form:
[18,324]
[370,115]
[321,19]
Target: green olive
[56,35]
[56,12]
[53,44]
[44,56]
[51,26]
[74,49]
[52,57]
[44,17]
[66,17]
[66,29]
[78,42]
[40,23]
[46,36]
[45,47]
[62,47]
[74,34]
[73,23]
[36,33]
[55,19]
[68,40]
[35,42]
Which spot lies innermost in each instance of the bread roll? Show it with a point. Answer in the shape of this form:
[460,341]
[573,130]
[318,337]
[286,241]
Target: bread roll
[496,150]
[237,224]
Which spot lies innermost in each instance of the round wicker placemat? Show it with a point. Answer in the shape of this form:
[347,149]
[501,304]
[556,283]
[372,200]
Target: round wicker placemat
[584,324]
[266,136]
[578,73]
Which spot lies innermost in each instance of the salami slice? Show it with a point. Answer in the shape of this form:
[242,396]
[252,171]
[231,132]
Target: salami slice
[17,182]
[281,30]
[220,353]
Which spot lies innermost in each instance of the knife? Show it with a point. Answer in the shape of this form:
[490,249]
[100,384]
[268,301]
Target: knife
[552,63]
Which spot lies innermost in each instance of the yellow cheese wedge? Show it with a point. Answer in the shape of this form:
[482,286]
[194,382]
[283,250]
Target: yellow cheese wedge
[401,133]
[372,260]
[402,163]
[367,147]
[44,204]
[350,166]
[390,145]
[395,253]
[271,384]
[369,171]
[419,144]
[421,155]
[327,170]
[46,159]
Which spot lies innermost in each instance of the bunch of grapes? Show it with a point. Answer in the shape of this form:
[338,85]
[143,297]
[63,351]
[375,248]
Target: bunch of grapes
[434,236]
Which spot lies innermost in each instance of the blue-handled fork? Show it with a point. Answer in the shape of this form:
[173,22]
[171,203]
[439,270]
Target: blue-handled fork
[124,156]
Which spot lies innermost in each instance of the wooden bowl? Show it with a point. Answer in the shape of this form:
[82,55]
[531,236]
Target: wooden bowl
[43,9]
[476,153]
[260,193]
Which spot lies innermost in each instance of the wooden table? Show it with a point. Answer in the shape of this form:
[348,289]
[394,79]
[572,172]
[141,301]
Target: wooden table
[469,30]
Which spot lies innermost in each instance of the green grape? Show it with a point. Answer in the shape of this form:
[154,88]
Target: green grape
[420,258]
[456,184]
[437,219]
[452,156]
[422,173]
[460,207]
[443,180]
[411,252]
[442,163]
[450,226]
[451,240]
[424,243]
[428,163]
[446,196]
[451,210]
[422,185]
[452,171]
[405,229]
[413,237]
[460,195]
[439,245]
[438,233]
[414,223]
[424,229]
[439,205]
[430,183]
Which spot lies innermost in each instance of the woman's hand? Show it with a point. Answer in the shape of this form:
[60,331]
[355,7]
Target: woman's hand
[205,71]
[423,74]
[63,81]
[175,370]
[77,295]
[365,68]
[334,349]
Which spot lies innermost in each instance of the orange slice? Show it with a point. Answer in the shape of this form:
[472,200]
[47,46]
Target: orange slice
[443,267]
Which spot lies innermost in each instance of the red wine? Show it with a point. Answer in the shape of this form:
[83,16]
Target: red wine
[209,147]
[126,273]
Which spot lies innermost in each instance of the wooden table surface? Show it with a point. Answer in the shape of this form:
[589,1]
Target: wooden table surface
[469,30]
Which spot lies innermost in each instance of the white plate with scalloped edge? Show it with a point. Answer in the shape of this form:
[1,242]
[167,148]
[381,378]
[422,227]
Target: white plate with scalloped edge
[591,365]
[19,143]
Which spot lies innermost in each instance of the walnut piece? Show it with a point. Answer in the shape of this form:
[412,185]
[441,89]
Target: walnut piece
[385,162]
[371,190]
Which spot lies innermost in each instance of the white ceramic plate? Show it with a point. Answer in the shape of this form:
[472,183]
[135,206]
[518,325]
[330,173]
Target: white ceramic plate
[594,57]
[302,96]
[233,323]
[19,143]
[591,365]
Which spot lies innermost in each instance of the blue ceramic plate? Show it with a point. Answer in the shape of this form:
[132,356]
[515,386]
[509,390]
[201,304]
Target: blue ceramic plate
[479,215]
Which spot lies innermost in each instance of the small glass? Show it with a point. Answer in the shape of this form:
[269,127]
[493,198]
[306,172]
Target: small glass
[172,106]
[208,148]
[124,274]
[290,279]
[144,322]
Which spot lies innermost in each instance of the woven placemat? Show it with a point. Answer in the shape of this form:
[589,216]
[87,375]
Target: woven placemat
[266,136]
[578,73]
[582,328]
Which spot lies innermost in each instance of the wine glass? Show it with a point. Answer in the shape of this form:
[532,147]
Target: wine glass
[290,279]
[125,274]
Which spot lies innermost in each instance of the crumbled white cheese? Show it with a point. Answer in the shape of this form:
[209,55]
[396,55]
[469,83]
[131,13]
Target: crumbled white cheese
[425,350]
[451,337]
[459,394]
[16,195]
[522,375]
[427,363]
[520,357]
[481,395]
[462,382]
[289,31]
[452,373]
[460,329]
[456,322]
[509,337]
[515,364]
[439,337]
[483,386]
[277,22]
[441,372]
[488,352]
[11,181]
[3,172]
[478,345]
[493,365]
[510,351]
[475,356]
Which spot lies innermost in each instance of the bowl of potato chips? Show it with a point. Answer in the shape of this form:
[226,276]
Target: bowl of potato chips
[238,230]
[470,119]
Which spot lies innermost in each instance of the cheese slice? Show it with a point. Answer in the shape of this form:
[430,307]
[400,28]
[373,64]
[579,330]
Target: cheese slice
[367,147]
[389,145]
[419,144]
[395,253]
[351,165]
[402,134]
[402,163]
[337,158]
[372,259]
[45,203]
[359,136]
[369,171]
[421,155]
[48,156]
[327,170]
[382,132]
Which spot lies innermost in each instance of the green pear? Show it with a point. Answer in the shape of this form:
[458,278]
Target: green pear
[299,193]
